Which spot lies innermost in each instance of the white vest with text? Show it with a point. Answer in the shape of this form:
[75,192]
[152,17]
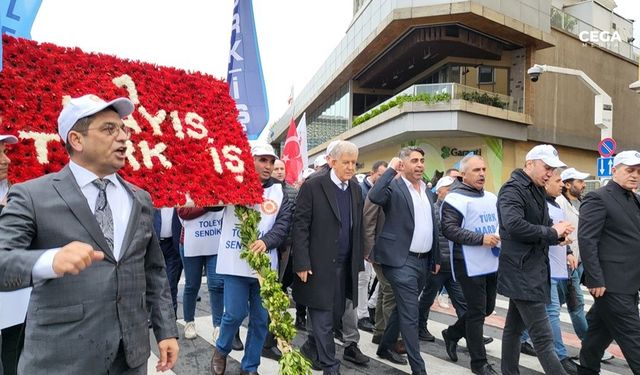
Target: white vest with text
[229,262]
[480,215]
[557,253]
[202,234]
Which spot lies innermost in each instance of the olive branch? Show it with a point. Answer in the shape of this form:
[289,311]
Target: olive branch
[273,298]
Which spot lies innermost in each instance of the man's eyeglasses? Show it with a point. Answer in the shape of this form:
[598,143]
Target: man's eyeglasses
[114,129]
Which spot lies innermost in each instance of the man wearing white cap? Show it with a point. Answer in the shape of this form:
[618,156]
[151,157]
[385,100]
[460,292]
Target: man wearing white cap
[526,232]
[84,239]
[14,335]
[241,286]
[570,201]
[609,234]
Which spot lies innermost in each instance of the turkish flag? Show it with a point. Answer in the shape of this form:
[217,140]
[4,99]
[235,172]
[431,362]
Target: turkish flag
[291,155]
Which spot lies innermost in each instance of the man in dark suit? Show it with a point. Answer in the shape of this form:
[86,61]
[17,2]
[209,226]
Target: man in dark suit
[166,224]
[327,249]
[407,249]
[609,233]
[83,238]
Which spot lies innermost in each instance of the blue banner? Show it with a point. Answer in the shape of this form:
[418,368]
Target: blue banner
[244,74]
[16,18]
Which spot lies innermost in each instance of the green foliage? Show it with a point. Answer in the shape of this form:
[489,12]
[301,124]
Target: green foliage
[273,298]
[399,100]
[484,98]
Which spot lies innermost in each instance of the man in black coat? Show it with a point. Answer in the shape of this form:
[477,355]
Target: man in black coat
[407,249]
[609,234]
[526,231]
[327,248]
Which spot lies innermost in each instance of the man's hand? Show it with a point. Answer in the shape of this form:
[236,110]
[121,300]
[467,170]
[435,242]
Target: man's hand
[258,247]
[303,275]
[490,240]
[168,349]
[437,270]
[597,292]
[396,164]
[563,228]
[74,258]
[572,262]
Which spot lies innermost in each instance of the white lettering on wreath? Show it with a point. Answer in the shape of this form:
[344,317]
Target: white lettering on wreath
[40,142]
[228,158]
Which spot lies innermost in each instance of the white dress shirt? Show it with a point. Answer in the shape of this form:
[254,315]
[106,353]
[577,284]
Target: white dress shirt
[4,188]
[342,185]
[422,239]
[120,203]
[166,216]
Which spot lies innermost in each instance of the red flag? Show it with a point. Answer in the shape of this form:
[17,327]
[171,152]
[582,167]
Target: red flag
[291,155]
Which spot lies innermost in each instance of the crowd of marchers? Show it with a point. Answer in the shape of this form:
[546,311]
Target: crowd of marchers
[371,255]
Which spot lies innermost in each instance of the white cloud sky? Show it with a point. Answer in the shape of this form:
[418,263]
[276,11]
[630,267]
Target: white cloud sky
[295,36]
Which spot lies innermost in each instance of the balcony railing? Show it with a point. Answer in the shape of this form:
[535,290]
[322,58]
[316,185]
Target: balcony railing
[575,26]
[437,92]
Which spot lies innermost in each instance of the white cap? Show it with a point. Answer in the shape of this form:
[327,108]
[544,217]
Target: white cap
[307,172]
[262,149]
[547,154]
[444,182]
[8,139]
[88,105]
[573,174]
[320,160]
[627,158]
[331,146]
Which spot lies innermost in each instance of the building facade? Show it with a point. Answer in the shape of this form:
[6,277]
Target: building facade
[451,76]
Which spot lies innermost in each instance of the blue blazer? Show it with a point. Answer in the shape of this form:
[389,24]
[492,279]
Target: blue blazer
[392,245]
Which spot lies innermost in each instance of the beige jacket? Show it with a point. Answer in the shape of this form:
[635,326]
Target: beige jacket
[571,214]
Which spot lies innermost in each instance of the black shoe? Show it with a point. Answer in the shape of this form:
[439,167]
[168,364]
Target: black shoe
[425,335]
[272,353]
[301,323]
[198,299]
[451,346]
[569,366]
[391,356]
[487,340]
[338,335]
[237,343]
[487,369]
[526,348]
[353,354]
[365,325]
[376,339]
[310,352]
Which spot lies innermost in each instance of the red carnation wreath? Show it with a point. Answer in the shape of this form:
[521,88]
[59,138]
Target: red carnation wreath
[185,140]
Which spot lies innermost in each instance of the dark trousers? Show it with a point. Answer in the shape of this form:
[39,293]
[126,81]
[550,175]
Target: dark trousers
[480,294]
[430,291]
[323,321]
[533,317]
[12,344]
[120,366]
[612,317]
[173,265]
[407,282]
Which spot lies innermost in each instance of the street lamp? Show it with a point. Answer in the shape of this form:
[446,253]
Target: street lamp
[603,111]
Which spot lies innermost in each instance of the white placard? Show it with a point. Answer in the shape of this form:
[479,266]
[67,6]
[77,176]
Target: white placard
[13,307]
[202,234]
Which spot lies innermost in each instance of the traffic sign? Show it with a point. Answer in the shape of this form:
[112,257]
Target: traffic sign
[603,167]
[607,147]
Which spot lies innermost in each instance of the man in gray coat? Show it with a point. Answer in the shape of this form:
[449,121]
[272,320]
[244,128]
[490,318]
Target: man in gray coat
[83,238]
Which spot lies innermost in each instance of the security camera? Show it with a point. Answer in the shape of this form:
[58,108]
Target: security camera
[534,72]
[635,87]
